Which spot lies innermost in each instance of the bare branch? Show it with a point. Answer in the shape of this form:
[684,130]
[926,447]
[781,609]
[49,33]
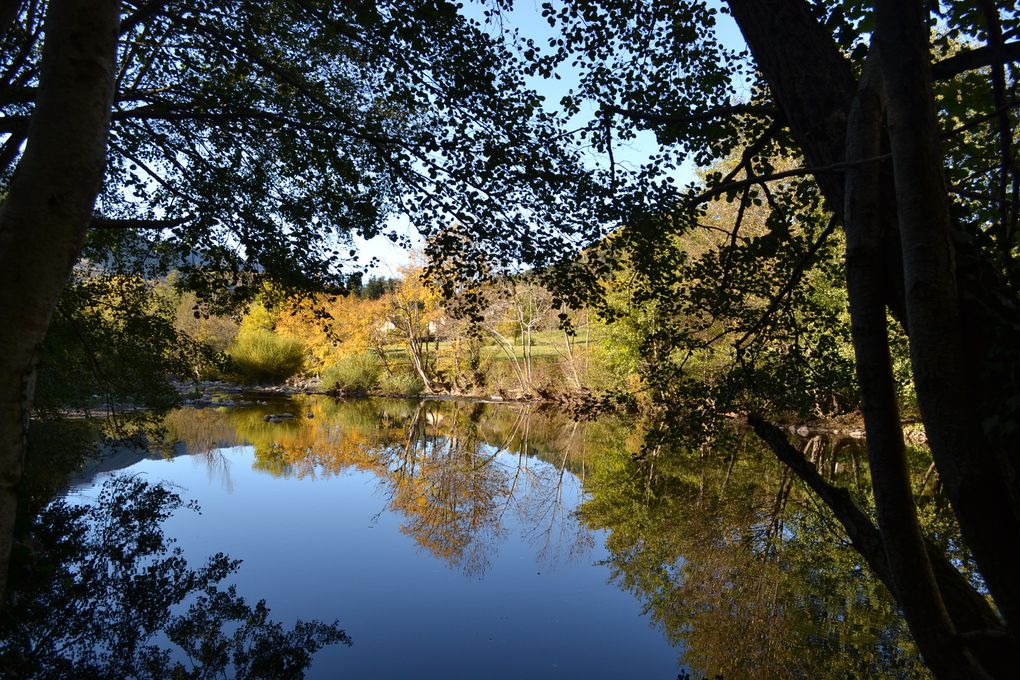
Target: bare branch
[796,172]
[860,529]
[144,12]
[11,148]
[791,283]
[8,14]
[753,150]
[968,608]
[979,196]
[976,121]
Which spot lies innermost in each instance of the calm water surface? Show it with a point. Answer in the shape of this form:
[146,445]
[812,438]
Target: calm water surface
[443,537]
[460,540]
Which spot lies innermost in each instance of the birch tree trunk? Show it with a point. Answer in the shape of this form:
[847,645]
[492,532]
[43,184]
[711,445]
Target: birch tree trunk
[910,569]
[46,213]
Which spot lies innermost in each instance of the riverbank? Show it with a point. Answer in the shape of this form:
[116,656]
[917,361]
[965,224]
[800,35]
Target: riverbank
[216,393]
[223,394]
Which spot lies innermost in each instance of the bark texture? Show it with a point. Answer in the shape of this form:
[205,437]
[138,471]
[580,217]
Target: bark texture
[913,578]
[945,369]
[813,85]
[44,219]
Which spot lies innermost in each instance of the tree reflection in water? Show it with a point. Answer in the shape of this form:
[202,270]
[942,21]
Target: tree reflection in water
[451,469]
[730,558]
[98,591]
[738,566]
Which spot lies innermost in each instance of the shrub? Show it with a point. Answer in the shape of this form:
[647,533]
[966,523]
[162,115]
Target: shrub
[401,382]
[263,356]
[355,373]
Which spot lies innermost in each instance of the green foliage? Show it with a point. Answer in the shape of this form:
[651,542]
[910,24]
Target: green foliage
[401,381]
[357,373]
[113,342]
[375,287]
[270,133]
[263,356]
[212,330]
[97,592]
[498,373]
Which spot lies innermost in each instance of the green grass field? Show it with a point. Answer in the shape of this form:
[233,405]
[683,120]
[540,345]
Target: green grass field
[545,345]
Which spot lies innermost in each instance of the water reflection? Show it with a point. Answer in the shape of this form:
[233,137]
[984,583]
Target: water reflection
[742,575]
[364,499]
[734,561]
[736,565]
[452,470]
[99,591]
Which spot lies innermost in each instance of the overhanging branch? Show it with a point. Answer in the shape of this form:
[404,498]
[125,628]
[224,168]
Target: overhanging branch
[968,60]
[798,272]
[726,187]
[968,608]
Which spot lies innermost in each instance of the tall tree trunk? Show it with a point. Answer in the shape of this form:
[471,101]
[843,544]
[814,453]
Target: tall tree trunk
[813,85]
[43,220]
[913,579]
[810,79]
[944,372]
[419,359]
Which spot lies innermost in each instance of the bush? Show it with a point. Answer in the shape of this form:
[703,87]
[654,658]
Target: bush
[263,356]
[401,382]
[356,373]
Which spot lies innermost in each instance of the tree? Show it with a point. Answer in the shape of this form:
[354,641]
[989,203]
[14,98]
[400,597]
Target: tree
[114,337]
[522,308]
[903,116]
[45,213]
[241,142]
[413,310]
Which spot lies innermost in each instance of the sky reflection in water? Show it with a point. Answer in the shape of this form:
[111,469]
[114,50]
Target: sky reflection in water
[443,537]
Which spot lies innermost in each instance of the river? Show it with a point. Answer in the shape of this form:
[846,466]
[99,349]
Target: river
[462,540]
